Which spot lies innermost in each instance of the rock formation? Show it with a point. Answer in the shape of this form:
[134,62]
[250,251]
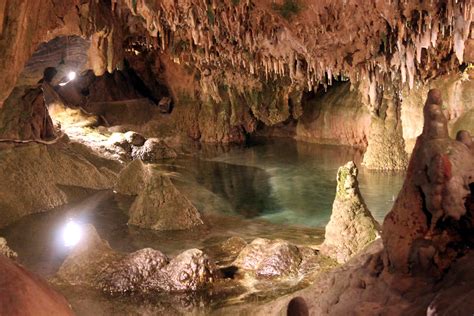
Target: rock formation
[264,258]
[92,263]
[430,223]
[159,204]
[153,150]
[41,170]
[351,227]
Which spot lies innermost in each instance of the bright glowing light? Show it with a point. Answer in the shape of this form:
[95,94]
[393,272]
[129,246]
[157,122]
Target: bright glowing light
[72,234]
[71,75]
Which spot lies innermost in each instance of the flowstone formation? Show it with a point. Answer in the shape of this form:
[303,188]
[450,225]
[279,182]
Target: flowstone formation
[159,205]
[352,226]
[431,224]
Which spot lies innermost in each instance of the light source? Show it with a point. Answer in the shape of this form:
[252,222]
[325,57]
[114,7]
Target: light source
[71,234]
[71,75]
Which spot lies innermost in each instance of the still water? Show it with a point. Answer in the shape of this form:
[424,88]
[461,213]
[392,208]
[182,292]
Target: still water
[282,181]
[272,189]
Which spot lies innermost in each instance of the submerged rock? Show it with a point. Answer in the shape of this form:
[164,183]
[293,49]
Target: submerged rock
[5,250]
[351,227]
[159,204]
[266,258]
[153,150]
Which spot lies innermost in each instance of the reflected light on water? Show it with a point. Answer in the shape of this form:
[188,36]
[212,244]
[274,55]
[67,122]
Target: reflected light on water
[71,233]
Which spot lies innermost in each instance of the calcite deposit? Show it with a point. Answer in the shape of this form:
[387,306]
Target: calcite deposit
[159,204]
[352,226]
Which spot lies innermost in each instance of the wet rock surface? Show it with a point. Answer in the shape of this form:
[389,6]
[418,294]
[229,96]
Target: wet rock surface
[153,150]
[352,226]
[264,258]
[92,263]
[26,294]
[159,204]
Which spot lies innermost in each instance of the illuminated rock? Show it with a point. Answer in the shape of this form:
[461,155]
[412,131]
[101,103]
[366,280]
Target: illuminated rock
[159,204]
[352,226]
[153,150]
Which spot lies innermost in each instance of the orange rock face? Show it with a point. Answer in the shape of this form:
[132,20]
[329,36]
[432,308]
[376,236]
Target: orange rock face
[26,294]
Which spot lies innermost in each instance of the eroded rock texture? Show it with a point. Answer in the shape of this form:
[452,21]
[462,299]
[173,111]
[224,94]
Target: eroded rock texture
[264,258]
[430,223]
[159,204]
[351,227]
[93,263]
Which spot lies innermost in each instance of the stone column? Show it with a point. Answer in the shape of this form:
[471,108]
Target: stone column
[386,146]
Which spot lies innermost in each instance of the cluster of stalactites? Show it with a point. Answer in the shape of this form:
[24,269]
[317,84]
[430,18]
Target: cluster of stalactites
[238,35]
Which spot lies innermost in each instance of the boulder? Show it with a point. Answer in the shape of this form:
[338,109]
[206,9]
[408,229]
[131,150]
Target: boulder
[264,258]
[351,227]
[87,259]
[159,204]
[42,171]
[190,271]
[92,263]
[5,250]
[153,150]
[137,272]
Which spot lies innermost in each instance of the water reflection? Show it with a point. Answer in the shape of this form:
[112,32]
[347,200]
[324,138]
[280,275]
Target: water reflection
[282,181]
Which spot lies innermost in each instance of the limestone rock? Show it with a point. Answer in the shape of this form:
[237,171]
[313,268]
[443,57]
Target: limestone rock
[26,294]
[431,219]
[137,272]
[269,258]
[153,150]
[351,227]
[40,170]
[190,271]
[5,250]
[132,178]
[92,263]
[87,259]
[135,139]
[159,204]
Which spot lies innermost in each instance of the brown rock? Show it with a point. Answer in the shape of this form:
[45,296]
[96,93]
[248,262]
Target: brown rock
[26,294]
[153,150]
